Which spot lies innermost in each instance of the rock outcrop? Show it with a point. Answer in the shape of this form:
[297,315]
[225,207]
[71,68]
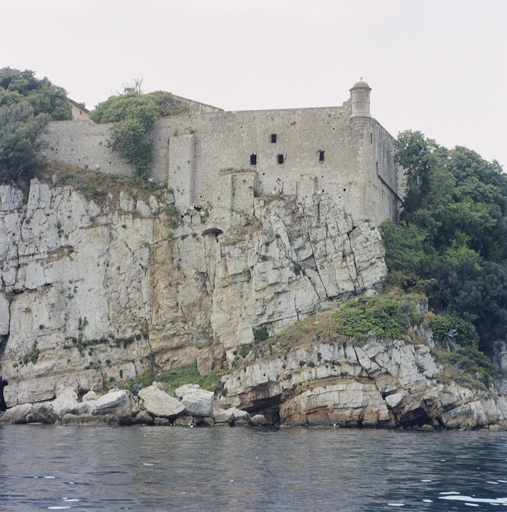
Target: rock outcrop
[377,384]
[101,290]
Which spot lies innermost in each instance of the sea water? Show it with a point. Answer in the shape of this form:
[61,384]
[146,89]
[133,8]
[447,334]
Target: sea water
[249,469]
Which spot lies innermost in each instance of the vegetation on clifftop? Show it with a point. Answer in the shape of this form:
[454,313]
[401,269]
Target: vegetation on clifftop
[451,242]
[27,104]
[134,114]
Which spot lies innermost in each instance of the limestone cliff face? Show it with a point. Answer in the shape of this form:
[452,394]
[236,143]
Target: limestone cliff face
[92,292]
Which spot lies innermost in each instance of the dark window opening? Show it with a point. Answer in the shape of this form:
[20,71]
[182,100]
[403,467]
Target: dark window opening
[345,190]
[273,138]
[321,156]
[376,165]
[253,159]
[280,159]
[371,138]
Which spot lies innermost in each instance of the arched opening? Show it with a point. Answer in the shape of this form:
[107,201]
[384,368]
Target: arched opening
[212,231]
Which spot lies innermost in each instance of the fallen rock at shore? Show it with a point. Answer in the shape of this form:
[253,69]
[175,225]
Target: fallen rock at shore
[117,403]
[160,404]
[153,407]
[16,414]
[197,401]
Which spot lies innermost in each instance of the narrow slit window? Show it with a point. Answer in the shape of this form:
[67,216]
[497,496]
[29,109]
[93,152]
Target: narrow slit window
[280,159]
[321,156]
[253,159]
[273,138]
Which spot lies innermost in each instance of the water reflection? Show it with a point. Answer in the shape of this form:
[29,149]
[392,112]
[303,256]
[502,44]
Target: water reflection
[231,469]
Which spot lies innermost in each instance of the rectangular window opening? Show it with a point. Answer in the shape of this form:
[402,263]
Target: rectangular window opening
[253,159]
[321,156]
[280,159]
[273,138]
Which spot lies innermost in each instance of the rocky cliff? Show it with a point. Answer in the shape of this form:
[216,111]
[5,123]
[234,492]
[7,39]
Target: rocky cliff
[102,289]
[374,384]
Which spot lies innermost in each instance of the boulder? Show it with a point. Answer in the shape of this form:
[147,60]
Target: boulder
[238,414]
[180,392]
[42,413]
[258,420]
[88,407]
[92,420]
[223,415]
[17,414]
[470,415]
[197,401]
[91,395]
[158,403]
[142,418]
[65,403]
[185,421]
[115,402]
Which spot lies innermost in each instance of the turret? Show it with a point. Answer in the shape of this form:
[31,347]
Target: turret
[360,95]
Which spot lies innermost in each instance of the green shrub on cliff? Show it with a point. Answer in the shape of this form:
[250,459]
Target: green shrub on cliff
[449,328]
[380,316]
[133,114]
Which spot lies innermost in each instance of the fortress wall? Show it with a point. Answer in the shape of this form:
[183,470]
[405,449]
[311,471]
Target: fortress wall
[193,150]
[381,181]
[227,140]
[243,185]
[181,168]
[84,144]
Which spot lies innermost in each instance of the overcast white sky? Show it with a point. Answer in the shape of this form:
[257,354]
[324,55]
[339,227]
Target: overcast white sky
[438,66]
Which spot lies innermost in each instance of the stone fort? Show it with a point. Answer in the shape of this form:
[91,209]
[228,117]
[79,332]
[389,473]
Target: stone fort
[223,160]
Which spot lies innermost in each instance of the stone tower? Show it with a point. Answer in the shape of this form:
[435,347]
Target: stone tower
[360,95]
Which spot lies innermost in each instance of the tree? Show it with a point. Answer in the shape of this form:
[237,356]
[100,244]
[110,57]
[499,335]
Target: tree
[20,130]
[134,114]
[452,236]
[44,97]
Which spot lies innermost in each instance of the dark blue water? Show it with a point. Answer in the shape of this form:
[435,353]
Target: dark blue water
[235,469]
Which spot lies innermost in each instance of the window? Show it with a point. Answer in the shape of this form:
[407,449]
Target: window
[321,156]
[273,138]
[280,159]
[253,159]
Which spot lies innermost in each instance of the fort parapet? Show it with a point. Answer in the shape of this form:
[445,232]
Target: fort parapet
[222,160]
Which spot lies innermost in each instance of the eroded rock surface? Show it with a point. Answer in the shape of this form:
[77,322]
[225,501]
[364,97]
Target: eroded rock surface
[378,384]
[93,292]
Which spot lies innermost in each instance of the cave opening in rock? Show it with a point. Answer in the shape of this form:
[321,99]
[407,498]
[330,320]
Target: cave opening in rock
[418,417]
[269,407]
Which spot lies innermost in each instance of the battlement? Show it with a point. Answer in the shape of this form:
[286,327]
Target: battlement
[222,160]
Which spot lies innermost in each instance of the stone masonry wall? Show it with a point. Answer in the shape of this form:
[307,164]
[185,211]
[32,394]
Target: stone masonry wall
[294,152]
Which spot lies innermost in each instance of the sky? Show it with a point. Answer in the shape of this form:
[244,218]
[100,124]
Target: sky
[437,66]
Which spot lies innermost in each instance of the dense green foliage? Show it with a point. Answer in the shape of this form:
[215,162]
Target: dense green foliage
[383,317]
[133,114]
[451,241]
[44,97]
[27,104]
[19,141]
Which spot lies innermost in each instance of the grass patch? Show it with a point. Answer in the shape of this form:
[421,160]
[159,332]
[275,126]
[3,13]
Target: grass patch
[175,378]
[97,185]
